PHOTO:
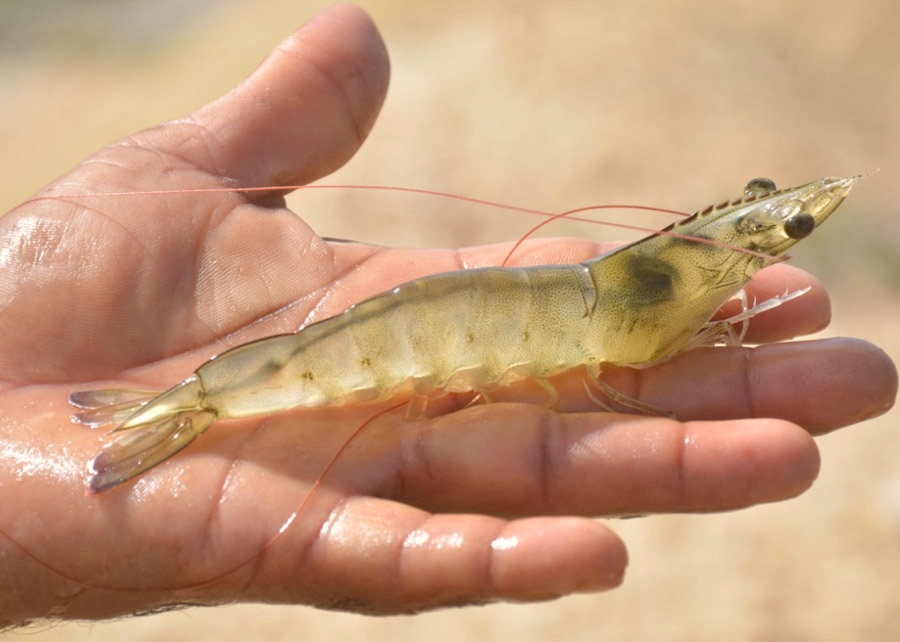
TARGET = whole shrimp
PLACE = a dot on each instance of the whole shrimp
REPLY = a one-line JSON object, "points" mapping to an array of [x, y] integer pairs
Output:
{"points": [[481, 329], [465, 508], [133, 547]]}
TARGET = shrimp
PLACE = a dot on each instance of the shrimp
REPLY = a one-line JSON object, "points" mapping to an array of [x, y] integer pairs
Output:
{"points": [[481, 329]]}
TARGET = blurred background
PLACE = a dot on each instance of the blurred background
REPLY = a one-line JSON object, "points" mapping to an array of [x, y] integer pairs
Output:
{"points": [[554, 106]]}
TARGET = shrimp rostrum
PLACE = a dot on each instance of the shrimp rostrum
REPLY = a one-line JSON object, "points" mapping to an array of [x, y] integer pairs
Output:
{"points": [[480, 329]]}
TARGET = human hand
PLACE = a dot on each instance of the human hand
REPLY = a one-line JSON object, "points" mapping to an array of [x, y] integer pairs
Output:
{"points": [[138, 291]]}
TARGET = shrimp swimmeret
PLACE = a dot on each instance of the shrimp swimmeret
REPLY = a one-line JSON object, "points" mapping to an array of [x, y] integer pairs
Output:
{"points": [[476, 330]]}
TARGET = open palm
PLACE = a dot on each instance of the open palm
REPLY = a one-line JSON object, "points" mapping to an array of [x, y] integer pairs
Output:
{"points": [[137, 291]]}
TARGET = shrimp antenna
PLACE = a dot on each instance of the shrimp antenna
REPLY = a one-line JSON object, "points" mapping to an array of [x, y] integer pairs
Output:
{"points": [[550, 217]]}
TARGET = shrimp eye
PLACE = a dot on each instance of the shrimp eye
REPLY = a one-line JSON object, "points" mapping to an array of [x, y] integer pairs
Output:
{"points": [[759, 187], [799, 226]]}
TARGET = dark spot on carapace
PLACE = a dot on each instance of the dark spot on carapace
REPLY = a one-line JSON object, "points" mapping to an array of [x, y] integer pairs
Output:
{"points": [[470, 338], [654, 278], [526, 336], [365, 362], [272, 366], [308, 376]]}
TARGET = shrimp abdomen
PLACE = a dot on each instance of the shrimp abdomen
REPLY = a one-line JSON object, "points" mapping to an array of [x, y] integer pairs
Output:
{"points": [[458, 331]]}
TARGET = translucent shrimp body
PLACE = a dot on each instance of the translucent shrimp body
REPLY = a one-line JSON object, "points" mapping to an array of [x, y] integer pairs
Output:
{"points": [[476, 330]]}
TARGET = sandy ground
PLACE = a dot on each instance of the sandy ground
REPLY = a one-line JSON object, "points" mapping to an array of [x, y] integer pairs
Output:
{"points": [[556, 105]]}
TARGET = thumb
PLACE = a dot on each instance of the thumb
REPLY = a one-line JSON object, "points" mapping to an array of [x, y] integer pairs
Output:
{"points": [[108, 261], [299, 116]]}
